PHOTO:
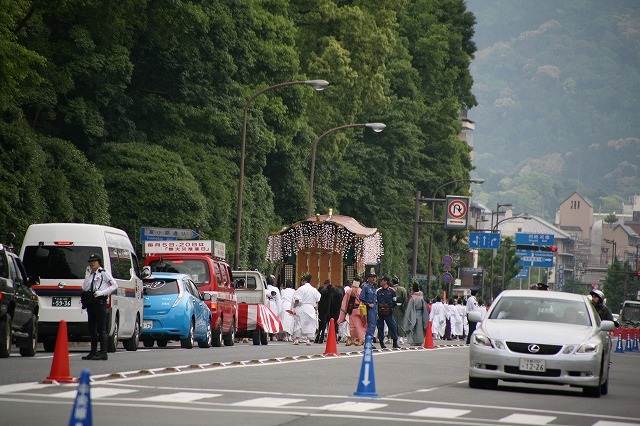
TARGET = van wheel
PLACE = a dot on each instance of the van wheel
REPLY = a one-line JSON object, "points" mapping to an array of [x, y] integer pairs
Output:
{"points": [[257, 336], [5, 336], [206, 343], [187, 343], [216, 336], [30, 350], [49, 344], [229, 338], [264, 337], [132, 343], [112, 341]]}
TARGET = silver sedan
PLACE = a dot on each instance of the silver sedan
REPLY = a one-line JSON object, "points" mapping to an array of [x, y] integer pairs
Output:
{"points": [[541, 337]]}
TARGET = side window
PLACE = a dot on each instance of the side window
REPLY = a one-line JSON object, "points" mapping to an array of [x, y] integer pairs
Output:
{"points": [[136, 265], [120, 263], [219, 280], [21, 273], [14, 273], [4, 271]]}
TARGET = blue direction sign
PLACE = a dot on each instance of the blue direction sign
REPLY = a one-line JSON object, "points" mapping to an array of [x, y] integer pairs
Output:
{"points": [[148, 233], [535, 258], [484, 240], [524, 272], [534, 239]]}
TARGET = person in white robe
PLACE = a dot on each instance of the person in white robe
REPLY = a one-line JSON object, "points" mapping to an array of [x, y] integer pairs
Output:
{"points": [[286, 317], [305, 308], [462, 312], [438, 318], [456, 322]]}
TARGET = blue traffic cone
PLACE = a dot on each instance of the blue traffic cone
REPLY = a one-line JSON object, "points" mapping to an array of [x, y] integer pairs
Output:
{"points": [[619, 345], [634, 345], [81, 413], [367, 380], [629, 345]]}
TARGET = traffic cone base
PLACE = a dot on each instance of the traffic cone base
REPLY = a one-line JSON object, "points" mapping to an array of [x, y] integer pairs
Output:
{"points": [[428, 337], [332, 344], [60, 364]]}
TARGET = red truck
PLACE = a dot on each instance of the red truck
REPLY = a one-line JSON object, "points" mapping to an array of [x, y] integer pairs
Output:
{"points": [[204, 261]]}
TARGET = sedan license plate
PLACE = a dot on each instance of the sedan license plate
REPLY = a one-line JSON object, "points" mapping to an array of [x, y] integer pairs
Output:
{"points": [[147, 324], [537, 365], [61, 301]]}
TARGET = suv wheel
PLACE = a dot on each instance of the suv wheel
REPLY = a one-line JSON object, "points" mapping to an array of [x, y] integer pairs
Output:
{"points": [[5, 336], [30, 350]]}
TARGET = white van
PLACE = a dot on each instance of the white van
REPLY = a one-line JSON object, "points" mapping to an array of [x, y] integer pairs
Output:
{"points": [[58, 253]]}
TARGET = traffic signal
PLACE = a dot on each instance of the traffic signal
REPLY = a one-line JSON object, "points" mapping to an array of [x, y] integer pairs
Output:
{"points": [[529, 247]]}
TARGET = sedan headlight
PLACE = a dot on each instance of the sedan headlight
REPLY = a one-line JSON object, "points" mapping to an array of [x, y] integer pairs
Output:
{"points": [[481, 339], [589, 347]]}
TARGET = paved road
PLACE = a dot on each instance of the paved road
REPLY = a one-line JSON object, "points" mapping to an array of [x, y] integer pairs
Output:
{"points": [[296, 385]]}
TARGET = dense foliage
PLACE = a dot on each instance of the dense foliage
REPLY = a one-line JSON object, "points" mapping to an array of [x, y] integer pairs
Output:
{"points": [[129, 113], [557, 86]]}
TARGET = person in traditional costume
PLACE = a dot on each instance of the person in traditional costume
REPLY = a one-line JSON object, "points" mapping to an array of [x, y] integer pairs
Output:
{"points": [[304, 306], [416, 317], [350, 311], [438, 318]]}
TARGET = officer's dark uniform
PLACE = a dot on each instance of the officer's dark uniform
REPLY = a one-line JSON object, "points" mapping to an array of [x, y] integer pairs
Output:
{"points": [[100, 283], [387, 296]]}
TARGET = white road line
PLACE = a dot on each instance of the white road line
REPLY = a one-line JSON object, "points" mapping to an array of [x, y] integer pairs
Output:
{"points": [[608, 423], [18, 387], [181, 397], [441, 413], [96, 393], [352, 406], [527, 419], [267, 402]]}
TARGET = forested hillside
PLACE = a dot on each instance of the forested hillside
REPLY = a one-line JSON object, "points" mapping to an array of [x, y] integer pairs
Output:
{"points": [[557, 85], [129, 113]]}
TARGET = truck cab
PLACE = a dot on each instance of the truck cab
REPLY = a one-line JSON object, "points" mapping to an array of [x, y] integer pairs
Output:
{"points": [[630, 314], [204, 261]]}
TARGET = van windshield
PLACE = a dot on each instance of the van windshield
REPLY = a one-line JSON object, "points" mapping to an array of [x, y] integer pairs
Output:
{"points": [[195, 268], [58, 262]]}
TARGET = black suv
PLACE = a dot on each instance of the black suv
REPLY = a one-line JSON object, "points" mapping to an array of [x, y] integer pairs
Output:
{"points": [[19, 306]]}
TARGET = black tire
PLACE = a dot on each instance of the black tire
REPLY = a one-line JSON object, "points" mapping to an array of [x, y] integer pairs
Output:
{"points": [[112, 341], [162, 343], [592, 391], [257, 336], [187, 342], [206, 343], [229, 339], [5, 336], [604, 388], [264, 338], [216, 336], [33, 339], [133, 342], [49, 344], [147, 343], [477, 383]]}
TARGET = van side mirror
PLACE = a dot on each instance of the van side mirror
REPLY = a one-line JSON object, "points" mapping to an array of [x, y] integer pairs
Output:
{"points": [[206, 296]]}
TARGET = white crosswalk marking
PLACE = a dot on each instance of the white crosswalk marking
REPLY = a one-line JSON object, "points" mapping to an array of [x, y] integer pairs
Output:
{"points": [[95, 393], [181, 397], [441, 413], [610, 423], [18, 387], [352, 406], [267, 402], [527, 419]]}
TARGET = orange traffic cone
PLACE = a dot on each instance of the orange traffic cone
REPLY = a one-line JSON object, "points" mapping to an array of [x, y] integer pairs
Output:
{"points": [[428, 337], [332, 346], [60, 365]]}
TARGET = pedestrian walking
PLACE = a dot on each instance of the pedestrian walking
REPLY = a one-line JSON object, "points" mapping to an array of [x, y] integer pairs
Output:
{"points": [[350, 311], [97, 286], [285, 316], [304, 306], [438, 318], [368, 299], [472, 306], [386, 298], [402, 299], [416, 317]]}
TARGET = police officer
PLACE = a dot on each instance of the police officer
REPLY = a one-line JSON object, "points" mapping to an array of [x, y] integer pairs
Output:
{"points": [[99, 282], [368, 297], [386, 298], [597, 298]]}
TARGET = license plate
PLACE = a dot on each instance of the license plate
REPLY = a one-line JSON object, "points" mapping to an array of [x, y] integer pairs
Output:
{"points": [[147, 324], [532, 365], [61, 301]]}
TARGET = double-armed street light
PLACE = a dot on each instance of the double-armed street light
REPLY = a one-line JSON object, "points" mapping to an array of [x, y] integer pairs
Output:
{"points": [[318, 86], [416, 223], [376, 127]]}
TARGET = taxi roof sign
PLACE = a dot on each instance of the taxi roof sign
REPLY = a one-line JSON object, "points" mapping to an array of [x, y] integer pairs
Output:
{"points": [[216, 248]]}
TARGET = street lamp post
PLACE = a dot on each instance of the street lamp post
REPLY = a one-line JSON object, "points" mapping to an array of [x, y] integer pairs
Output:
{"points": [[414, 265], [376, 127], [318, 86]]}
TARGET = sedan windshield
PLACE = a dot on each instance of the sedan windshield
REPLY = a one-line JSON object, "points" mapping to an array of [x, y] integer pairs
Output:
{"points": [[546, 310]]}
